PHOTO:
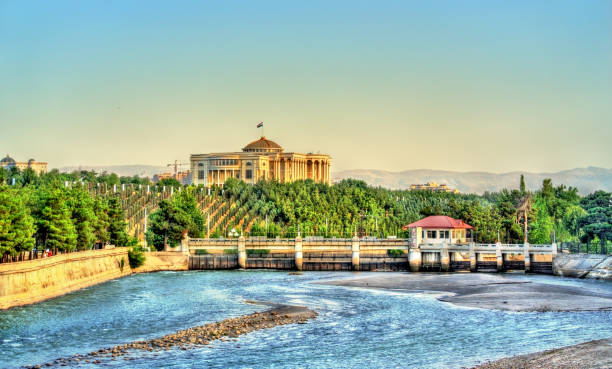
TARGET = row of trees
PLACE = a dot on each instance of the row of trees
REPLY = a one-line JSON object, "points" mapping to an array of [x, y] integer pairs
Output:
{"points": [[27, 177], [512, 216], [38, 212], [59, 219]]}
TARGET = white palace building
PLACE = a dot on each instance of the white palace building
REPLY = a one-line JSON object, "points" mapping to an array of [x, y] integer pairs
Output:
{"points": [[259, 160]]}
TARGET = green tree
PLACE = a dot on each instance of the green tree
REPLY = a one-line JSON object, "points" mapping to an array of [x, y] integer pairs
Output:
{"points": [[170, 182], [16, 224], [167, 225], [102, 224], [522, 185], [55, 229], [28, 177], [116, 223], [187, 202], [597, 223], [81, 205]]}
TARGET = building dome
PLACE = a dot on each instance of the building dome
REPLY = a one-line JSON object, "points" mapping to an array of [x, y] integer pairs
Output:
{"points": [[31, 161], [7, 162], [262, 145]]}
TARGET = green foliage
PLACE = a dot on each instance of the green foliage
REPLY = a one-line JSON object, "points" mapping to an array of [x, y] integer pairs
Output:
{"points": [[136, 257], [186, 201], [394, 253], [596, 224], [174, 218], [81, 205], [167, 225], [39, 211], [16, 224], [201, 252], [257, 251], [102, 223], [216, 234], [170, 182], [3, 176], [116, 223], [55, 229], [542, 226], [230, 251]]}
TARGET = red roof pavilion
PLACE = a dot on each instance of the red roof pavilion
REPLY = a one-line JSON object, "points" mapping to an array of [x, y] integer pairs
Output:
{"points": [[439, 222]]}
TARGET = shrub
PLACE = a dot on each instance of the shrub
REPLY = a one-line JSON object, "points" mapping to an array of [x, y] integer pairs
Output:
{"points": [[257, 251], [201, 252], [395, 253], [230, 251], [136, 257]]}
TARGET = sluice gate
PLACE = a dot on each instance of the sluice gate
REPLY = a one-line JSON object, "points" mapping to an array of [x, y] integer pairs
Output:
{"points": [[316, 254]]}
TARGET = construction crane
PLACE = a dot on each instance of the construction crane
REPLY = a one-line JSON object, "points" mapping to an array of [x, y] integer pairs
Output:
{"points": [[176, 165]]}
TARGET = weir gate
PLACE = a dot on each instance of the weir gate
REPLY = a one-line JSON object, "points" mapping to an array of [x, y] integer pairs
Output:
{"points": [[365, 255]]}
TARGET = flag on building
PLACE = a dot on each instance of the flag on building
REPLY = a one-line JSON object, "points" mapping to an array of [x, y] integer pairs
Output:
{"points": [[260, 124]]}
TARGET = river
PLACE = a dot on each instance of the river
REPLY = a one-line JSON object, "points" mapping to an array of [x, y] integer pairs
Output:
{"points": [[355, 328]]}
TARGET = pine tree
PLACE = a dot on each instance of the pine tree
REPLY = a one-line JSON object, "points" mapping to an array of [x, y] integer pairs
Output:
{"points": [[522, 186], [81, 205], [186, 201], [55, 229], [16, 224], [100, 209], [117, 224]]}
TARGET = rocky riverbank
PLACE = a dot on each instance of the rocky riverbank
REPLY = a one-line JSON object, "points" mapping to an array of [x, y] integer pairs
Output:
{"points": [[592, 354], [488, 291], [196, 336]]}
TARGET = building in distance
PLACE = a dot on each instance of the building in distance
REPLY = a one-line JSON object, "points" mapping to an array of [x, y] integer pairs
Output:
{"points": [[38, 167], [261, 159], [433, 186], [182, 177]]}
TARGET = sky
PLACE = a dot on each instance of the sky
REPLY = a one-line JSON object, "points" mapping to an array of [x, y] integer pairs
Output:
{"points": [[393, 85]]}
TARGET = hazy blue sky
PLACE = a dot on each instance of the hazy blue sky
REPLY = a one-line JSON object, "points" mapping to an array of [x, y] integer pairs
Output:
{"points": [[464, 85]]}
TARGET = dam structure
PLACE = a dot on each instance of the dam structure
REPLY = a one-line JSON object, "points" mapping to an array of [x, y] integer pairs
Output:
{"points": [[365, 254]]}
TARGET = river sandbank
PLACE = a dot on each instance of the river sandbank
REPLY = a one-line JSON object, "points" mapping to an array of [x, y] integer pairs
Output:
{"points": [[487, 291], [197, 336], [592, 354]]}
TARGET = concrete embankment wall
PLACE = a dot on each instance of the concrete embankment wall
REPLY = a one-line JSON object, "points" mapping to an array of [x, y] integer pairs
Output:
{"points": [[583, 266], [164, 261], [37, 280]]}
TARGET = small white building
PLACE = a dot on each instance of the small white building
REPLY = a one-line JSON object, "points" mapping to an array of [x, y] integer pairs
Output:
{"points": [[438, 229]]}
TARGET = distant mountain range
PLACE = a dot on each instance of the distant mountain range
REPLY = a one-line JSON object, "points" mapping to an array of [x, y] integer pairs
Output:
{"points": [[586, 180], [122, 170]]}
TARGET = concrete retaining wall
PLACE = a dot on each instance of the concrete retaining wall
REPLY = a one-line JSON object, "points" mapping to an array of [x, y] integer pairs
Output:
{"points": [[583, 266], [164, 260], [37, 280]]}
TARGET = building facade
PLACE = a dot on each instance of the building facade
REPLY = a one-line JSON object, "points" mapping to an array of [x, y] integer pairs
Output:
{"points": [[182, 177], [262, 159], [37, 166], [433, 186]]}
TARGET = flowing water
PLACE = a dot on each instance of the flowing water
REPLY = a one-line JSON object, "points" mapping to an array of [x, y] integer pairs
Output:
{"points": [[355, 328]]}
